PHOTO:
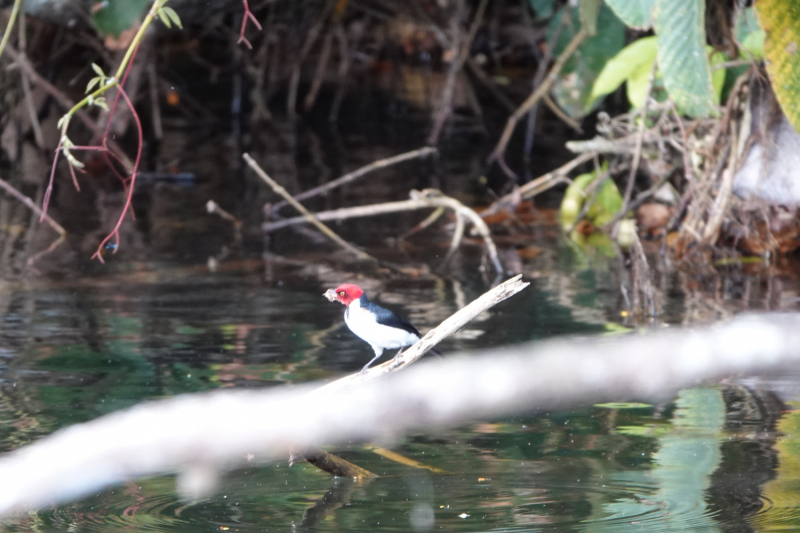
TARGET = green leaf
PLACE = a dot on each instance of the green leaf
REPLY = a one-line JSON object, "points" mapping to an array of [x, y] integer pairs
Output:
{"points": [[117, 16], [164, 18], [92, 83], [632, 62], [101, 102], [781, 22], [753, 45], [607, 202], [639, 81], [573, 88], [98, 70], [635, 13], [606, 205], [717, 75], [682, 58], [173, 16]]}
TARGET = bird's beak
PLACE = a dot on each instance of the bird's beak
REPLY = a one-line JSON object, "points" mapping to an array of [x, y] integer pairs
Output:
{"points": [[330, 294]]}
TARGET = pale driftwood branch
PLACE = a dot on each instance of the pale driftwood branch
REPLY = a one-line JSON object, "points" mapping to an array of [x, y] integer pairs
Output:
{"points": [[200, 434], [429, 198], [352, 176], [308, 216], [457, 320]]}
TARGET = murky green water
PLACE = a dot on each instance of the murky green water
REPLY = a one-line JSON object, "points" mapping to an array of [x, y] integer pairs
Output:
{"points": [[712, 460], [161, 319]]}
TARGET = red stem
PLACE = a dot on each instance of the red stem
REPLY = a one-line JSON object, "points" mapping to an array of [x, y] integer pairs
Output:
{"points": [[115, 232], [247, 15], [49, 190]]}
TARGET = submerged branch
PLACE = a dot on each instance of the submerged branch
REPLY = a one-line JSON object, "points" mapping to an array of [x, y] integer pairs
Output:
{"points": [[224, 429]]}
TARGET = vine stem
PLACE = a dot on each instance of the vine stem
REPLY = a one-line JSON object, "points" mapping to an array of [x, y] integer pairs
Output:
{"points": [[115, 232], [10, 25], [64, 145], [247, 15]]}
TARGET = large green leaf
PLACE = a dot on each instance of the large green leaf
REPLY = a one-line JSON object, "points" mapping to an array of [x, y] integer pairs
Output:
{"points": [[629, 65], [781, 22], [573, 88], [117, 16], [635, 13], [682, 59]]}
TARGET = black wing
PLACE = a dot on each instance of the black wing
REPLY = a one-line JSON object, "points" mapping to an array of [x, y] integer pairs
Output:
{"points": [[387, 318]]}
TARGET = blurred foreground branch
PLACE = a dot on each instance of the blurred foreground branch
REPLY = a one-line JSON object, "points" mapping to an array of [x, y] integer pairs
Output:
{"points": [[198, 435]]}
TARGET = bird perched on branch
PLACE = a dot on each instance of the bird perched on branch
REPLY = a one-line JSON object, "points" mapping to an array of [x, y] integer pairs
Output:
{"points": [[379, 327]]}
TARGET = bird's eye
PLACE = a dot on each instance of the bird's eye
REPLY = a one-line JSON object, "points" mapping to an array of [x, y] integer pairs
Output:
{"points": [[341, 293]]}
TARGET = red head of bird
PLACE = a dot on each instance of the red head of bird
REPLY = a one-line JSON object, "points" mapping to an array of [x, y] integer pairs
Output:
{"points": [[344, 293]]}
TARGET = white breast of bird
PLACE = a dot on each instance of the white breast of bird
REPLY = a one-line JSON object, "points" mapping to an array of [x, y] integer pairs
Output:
{"points": [[363, 323]]}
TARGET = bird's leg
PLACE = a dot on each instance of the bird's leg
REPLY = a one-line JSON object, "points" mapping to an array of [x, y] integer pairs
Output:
{"points": [[377, 355], [399, 352]]}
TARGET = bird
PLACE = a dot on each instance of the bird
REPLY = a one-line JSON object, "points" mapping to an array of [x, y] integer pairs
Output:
{"points": [[379, 327]]}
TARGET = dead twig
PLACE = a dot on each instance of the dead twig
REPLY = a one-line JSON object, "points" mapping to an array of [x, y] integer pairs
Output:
{"points": [[22, 42], [307, 215], [446, 104], [311, 38], [499, 151], [352, 176], [33, 207], [344, 69], [644, 302], [637, 155], [322, 64], [558, 112], [213, 208], [722, 202]]}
